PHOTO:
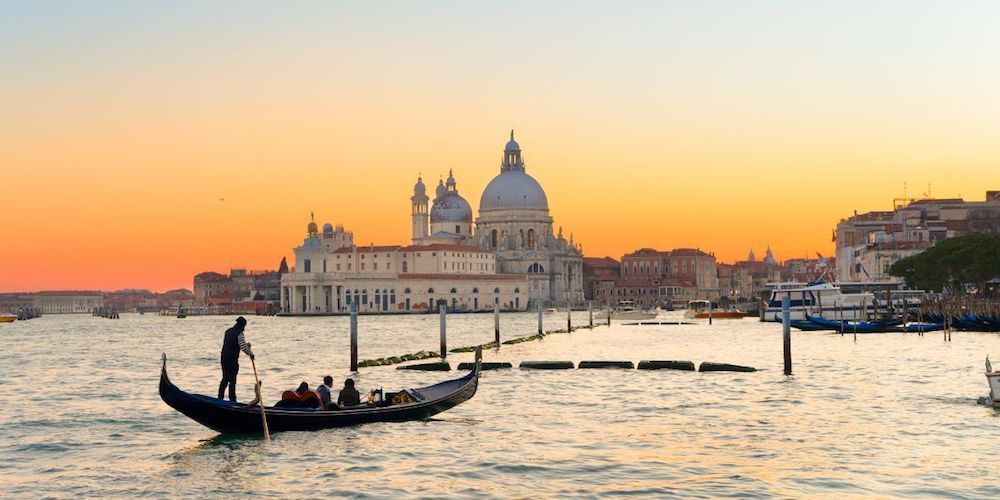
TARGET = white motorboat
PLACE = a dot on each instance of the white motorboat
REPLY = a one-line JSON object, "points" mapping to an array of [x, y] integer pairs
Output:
{"points": [[626, 310]]}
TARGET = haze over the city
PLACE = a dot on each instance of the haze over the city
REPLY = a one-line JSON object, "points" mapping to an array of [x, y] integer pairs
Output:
{"points": [[143, 143]]}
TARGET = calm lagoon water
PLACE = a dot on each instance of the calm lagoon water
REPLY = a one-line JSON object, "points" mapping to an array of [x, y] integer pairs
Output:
{"points": [[883, 415]]}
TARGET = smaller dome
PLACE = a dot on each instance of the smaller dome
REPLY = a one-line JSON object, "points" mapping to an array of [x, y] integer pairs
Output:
{"points": [[451, 208], [441, 190], [451, 181], [312, 228], [328, 228], [419, 187]]}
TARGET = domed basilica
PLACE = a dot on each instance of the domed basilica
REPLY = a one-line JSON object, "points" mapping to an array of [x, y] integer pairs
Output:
{"points": [[513, 221], [508, 258]]}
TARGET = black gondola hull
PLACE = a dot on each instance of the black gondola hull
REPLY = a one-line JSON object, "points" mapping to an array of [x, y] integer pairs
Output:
{"points": [[237, 418]]}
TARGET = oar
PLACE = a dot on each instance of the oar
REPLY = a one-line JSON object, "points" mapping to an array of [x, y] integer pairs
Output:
{"points": [[260, 400]]}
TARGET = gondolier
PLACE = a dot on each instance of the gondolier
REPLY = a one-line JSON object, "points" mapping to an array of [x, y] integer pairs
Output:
{"points": [[232, 344]]}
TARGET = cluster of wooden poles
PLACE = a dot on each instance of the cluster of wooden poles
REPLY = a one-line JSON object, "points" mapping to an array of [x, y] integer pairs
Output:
{"points": [[443, 312]]}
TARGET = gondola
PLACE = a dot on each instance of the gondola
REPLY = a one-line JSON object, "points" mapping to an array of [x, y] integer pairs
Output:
{"points": [[234, 418]]}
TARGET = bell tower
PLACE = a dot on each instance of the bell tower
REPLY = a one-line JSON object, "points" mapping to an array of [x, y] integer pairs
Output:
{"points": [[419, 212]]}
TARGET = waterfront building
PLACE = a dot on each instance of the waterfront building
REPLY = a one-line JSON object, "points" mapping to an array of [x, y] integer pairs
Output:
{"points": [[868, 244], [600, 274], [68, 301], [331, 273], [509, 255], [666, 278]]}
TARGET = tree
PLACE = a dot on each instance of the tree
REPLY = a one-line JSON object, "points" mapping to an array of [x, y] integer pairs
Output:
{"points": [[970, 259]]}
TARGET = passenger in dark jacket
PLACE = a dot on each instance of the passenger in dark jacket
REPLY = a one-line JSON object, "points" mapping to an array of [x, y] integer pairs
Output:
{"points": [[349, 396], [232, 344]]}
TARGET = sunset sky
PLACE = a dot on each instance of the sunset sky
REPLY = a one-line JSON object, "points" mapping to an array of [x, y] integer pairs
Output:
{"points": [[143, 142]]}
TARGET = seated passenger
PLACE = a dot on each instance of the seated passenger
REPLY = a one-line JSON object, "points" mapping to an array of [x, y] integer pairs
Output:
{"points": [[300, 398], [349, 396], [325, 395]]}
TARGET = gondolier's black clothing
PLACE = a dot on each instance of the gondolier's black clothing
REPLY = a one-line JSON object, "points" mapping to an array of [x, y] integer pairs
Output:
{"points": [[232, 344]]}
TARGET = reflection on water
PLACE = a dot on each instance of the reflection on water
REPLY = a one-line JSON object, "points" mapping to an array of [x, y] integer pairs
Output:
{"points": [[884, 415]]}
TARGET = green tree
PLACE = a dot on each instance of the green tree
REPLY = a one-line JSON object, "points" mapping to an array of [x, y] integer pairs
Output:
{"points": [[973, 258]]}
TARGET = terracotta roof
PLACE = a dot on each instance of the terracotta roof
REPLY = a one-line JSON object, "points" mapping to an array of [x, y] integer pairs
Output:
{"points": [[465, 277], [445, 246], [368, 249], [68, 292], [686, 252], [601, 262]]}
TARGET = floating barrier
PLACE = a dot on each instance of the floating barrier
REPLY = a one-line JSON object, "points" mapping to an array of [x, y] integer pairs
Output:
{"points": [[666, 365], [724, 367], [606, 364], [397, 359], [441, 366], [645, 323], [537, 336], [472, 348], [547, 365], [485, 365]]}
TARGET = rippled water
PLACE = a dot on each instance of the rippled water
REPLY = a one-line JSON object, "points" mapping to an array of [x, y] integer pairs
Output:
{"points": [[883, 415]]}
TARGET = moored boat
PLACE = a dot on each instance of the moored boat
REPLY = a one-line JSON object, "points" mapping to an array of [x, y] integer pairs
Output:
{"points": [[228, 417], [7, 318], [993, 378], [626, 310], [699, 309]]}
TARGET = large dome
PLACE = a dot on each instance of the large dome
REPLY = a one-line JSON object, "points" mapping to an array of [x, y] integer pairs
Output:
{"points": [[513, 189], [451, 207]]}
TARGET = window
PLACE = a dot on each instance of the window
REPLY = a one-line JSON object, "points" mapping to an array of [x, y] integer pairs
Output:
{"points": [[404, 266], [338, 267], [362, 266], [308, 266], [375, 266], [392, 296], [324, 265], [493, 238], [453, 290], [536, 268], [364, 296], [430, 290], [517, 290], [496, 290], [407, 291], [475, 290], [458, 230], [531, 238]]}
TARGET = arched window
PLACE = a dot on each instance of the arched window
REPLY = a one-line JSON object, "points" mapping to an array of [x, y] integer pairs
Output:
{"points": [[404, 266], [364, 296], [378, 298], [392, 296], [517, 290], [357, 297], [407, 291], [430, 290], [452, 290], [493, 238], [496, 290], [531, 238], [536, 268], [475, 290]]}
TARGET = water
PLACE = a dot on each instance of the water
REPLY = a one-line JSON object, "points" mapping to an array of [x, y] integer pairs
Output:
{"points": [[886, 415]]}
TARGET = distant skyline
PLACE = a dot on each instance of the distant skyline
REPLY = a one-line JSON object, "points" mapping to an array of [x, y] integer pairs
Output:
{"points": [[143, 142]]}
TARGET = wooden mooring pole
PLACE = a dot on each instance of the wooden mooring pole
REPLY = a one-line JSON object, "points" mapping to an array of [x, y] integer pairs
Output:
{"points": [[496, 322], [540, 331], [443, 311], [590, 313], [786, 331], [710, 312], [354, 337], [569, 317]]}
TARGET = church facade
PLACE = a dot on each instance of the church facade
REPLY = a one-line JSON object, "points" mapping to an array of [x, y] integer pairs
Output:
{"points": [[509, 256]]}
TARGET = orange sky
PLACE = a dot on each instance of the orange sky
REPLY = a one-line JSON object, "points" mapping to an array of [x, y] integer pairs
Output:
{"points": [[124, 126]]}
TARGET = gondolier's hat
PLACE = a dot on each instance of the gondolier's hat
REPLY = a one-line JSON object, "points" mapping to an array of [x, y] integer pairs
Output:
{"points": [[241, 321]]}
